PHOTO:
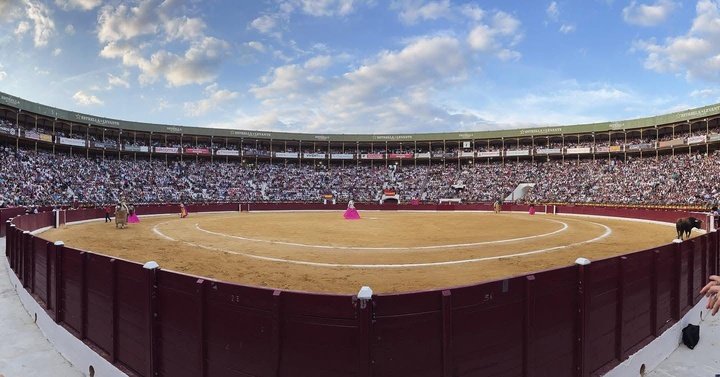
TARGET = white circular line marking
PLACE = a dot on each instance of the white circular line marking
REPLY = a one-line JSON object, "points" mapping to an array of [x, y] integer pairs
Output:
{"points": [[607, 232], [564, 228]]}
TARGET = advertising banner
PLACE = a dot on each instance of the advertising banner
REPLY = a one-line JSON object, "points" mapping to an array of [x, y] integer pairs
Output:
{"points": [[517, 153], [199, 151], [488, 154], [286, 154], [578, 150], [696, 139], [423, 155], [372, 156], [314, 156], [167, 150], [671, 143], [615, 148], [466, 144], [342, 156], [45, 137], [549, 151], [8, 130], [467, 154], [73, 142], [32, 135], [602, 149], [637, 147], [713, 137], [227, 152], [400, 156]]}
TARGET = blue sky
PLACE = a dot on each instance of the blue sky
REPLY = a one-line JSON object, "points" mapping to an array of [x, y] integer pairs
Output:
{"points": [[363, 66]]}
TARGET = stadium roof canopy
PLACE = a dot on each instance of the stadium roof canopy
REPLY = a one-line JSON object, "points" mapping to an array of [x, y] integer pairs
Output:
{"points": [[86, 119]]}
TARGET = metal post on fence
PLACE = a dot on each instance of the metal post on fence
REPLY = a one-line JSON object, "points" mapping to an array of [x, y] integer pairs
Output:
{"points": [[447, 332], [365, 316], [619, 323], [24, 259], [276, 332], [58, 248], [200, 291], [7, 238], [581, 319], [151, 269], [677, 302], [529, 319], [11, 243]]}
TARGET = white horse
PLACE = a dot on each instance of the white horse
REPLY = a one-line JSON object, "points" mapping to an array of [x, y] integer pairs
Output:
{"points": [[121, 215]]}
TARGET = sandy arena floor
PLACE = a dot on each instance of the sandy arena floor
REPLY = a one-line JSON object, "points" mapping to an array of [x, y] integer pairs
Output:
{"points": [[389, 251]]}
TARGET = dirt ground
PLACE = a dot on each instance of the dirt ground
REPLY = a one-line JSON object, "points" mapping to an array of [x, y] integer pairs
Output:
{"points": [[388, 251]]}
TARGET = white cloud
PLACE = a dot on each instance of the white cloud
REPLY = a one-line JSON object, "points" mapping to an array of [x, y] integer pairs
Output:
{"points": [[11, 10], [57, 52], [70, 29], [648, 14], [129, 32], [3, 75], [78, 4], [412, 11], [44, 26], [502, 32], [395, 91], [567, 28], [184, 28], [695, 54], [553, 11], [705, 93], [114, 81], [264, 24], [326, 7], [215, 98], [472, 11], [124, 22], [83, 99], [318, 62], [255, 45], [22, 28]]}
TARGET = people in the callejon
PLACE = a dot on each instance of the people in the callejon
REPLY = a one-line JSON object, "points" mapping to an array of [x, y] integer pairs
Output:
{"points": [[183, 211], [497, 206], [712, 291], [108, 211], [132, 217], [532, 209], [351, 213]]}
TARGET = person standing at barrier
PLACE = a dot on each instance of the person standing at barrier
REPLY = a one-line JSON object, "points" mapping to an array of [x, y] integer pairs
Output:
{"points": [[183, 211], [108, 210], [712, 291]]}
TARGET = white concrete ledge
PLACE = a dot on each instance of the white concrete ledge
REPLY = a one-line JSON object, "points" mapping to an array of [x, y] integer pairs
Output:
{"points": [[654, 356], [40, 357]]}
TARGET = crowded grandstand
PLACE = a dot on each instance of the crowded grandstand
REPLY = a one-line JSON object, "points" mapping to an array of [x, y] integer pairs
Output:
{"points": [[55, 161]]}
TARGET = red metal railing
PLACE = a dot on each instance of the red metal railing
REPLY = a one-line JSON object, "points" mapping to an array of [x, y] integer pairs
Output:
{"points": [[572, 321]]}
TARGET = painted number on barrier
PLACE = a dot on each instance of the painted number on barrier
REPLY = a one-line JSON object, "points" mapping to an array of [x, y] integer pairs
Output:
{"points": [[235, 299], [488, 297]]}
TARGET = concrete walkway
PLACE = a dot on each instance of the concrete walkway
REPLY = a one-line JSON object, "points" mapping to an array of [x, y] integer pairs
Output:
{"points": [[703, 360], [24, 350]]}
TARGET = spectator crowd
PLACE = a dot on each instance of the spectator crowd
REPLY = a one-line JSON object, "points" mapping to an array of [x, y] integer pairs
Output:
{"points": [[32, 178]]}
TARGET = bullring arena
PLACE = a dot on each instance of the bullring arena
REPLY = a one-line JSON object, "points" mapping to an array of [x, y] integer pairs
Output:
{"points": [[265, 277], [321, 252]]}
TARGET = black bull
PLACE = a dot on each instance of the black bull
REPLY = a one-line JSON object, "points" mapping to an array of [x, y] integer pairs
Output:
{"points": [[685, 225]]}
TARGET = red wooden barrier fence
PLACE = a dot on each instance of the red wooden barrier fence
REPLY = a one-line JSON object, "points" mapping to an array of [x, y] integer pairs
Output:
{"points": [[573, 321]]}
